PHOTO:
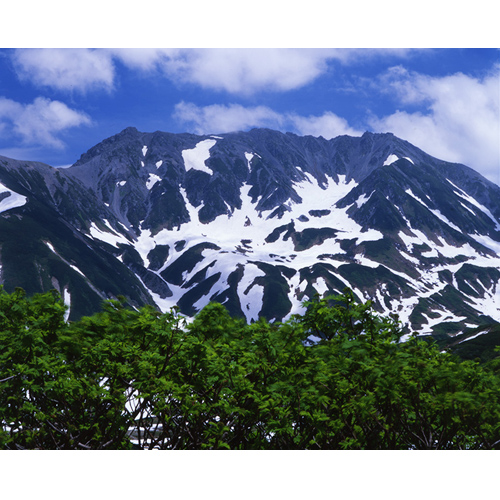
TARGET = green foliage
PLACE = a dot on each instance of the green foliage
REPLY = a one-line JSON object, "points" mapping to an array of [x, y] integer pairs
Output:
{"points": [[336, 378]]}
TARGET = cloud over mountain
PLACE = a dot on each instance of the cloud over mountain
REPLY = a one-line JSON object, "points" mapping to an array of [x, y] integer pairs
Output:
{"points": [[461, 120], [234, 117]]}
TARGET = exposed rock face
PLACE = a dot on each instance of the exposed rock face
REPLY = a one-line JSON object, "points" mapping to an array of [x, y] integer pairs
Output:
{"points": [[259, 221]]}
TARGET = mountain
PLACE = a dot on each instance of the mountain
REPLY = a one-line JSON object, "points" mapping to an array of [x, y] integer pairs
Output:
{"points": [[259, 221]]}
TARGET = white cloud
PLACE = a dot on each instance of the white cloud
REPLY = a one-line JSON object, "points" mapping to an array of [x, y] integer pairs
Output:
{"points": [[39, 122], [234, 117], [328, 125], [218, 118], [66, 69], [245, 71], [141, 59], [460, 122], [237, 71]]}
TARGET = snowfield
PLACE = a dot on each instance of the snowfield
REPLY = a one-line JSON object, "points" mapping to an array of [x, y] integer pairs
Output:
{"points": [[10, 199], [306, 243], [241, 238], [195, 158]]}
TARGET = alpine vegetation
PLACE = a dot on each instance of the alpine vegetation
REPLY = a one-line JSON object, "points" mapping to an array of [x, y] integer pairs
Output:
{"points": [[336, 377]]}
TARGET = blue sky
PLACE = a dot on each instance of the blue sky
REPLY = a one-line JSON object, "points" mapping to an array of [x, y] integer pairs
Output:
{"points": [[57, 103]]}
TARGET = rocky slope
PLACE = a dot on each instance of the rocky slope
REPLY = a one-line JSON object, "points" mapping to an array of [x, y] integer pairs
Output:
{"points": [[259, 221]]}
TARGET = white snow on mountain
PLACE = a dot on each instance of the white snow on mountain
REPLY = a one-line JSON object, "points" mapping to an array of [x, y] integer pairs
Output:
{"points": [[11, 200], [306, 242], [489, 304], [474, 336], [390, 160], [67, 303], [393, 158], [437, 213], [110, 236], [195, 158], [229, 231], [249, 157], [363, 199], [487, 242], [241, 236], [250, 293], [53, 250], [152, 180], [475, 203], [438, 316]]}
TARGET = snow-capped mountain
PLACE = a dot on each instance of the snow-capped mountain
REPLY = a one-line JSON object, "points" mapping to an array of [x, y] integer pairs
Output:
{"points": [[259, 221]]}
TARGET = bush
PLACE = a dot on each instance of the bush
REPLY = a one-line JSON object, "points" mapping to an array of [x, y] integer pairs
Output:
{"points": [[335, 378]]}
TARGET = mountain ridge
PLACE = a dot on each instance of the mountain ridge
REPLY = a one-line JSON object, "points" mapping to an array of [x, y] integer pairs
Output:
{"points": [[262, 220]]}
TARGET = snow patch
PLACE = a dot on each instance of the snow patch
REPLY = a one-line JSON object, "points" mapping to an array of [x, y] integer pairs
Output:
{"points": [[435, 212], [108, 237], [487, 242], [152, 180], [67, 303], [144, 151], [159, 163], [249, 157], [195, 158], [489, 304], [441, 217], [474, 336], [469, 209], [441, 317], [144, 244], [390, 160], [363, 199], [205, 299], [321, 286], [474, 202], [13, 200], [252, 304], [64, 260], [413, 260], [51, 246], [77, 270]]}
